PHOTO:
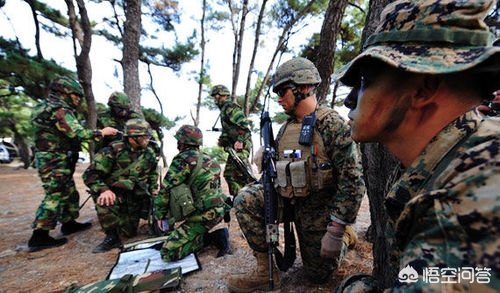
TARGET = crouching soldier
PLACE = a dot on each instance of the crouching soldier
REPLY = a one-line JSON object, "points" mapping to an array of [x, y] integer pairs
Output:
{"points": [[122, 178], [191, 193]]}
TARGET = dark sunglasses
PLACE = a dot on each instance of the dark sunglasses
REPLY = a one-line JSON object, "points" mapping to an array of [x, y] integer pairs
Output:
{"points": [[282, 91]]}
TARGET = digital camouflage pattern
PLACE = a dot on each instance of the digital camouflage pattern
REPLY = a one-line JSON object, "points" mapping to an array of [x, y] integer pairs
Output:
{"points": [[137, 179], [235, 127], [428, 36], [453, 223], [298, 71], [313, 213], [208, 197], [58, 136]]}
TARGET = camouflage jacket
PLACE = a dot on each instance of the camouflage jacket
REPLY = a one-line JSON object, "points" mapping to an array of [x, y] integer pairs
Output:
{"points": [[106, 119], [235, 126], [444, 217], [345, 198], [452, 220], [206, 187], [57, 129], [117, 159]]}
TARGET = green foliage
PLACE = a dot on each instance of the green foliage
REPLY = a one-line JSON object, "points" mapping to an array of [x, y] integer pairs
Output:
{"points": [[217, 153], [171, 58], [156, 120], [15, 113]]}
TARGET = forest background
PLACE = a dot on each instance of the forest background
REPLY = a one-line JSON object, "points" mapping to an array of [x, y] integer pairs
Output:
{"points": [[166, 55]]}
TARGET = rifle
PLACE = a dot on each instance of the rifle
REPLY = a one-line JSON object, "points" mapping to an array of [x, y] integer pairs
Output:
{"points": [[268, 177]]}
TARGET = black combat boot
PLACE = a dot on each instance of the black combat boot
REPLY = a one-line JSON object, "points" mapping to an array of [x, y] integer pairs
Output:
{"points": [[73, 227], [111, 241], [220, 239], [41, 240]]}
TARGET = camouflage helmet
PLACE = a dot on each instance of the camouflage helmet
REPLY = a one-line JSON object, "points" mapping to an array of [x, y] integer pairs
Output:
{"points": [[119, 99], [137, 127], [66, 85], [189, 135], [298, 71], [220, 90]]}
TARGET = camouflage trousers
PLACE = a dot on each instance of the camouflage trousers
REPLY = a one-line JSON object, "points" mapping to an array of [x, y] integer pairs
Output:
{"points": [[61, 201], [311, 215], [125, 214], [235, 177], [188, 237]]}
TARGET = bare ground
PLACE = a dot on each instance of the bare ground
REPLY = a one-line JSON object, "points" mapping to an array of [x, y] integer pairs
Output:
{"points": [[54, 269]]}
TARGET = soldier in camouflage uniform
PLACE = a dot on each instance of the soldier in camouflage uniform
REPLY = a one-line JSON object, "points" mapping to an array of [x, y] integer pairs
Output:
{"points": [[122, 179], [115, 116], [330, 166], [417, 85], [58, 137], [235, 134], [201, 175]]}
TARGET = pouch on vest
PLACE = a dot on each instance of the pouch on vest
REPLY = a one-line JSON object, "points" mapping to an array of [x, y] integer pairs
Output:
{"points": [[181, 202], [283, 180]]}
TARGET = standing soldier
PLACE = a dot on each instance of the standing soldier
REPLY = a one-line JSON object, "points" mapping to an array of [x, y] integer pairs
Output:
{"points": [[115, 116], [191, 193], [235, 134], [320, 183], [58, 137], [122, 179]]}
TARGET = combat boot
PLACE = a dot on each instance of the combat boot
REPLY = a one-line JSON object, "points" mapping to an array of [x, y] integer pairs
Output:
{"points": [[41, 240], [111, 241], [220, 239], [256, 279], [73, 227]]}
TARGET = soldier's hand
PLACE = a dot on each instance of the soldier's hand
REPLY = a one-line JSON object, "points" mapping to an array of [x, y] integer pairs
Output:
{"points": [[107, 198], [332, 241], [109, 131], [238, 146]]}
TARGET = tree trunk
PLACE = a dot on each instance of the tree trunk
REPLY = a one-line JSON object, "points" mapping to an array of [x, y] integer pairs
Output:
{"points": [[130, 59], [326, 51]]}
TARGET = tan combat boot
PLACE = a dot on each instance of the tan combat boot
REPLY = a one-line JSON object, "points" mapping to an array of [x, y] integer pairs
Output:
{"points": [[256, 279]]}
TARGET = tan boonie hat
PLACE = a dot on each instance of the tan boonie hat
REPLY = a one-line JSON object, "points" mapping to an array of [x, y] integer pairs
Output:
{"points": [[429, 36]]}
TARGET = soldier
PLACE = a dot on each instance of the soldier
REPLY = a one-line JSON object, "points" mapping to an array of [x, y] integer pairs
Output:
{"points": [[235, 134], [115, 116], [58, 137], [191, 193], [325, 170], [417, 86], [122, 179]]}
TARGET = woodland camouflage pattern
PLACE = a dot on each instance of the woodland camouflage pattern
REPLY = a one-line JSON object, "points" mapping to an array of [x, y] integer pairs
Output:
{"points": [[208, 200], [117, 101], [133, 187], [58, 136], [341, 203], [235, 128]]}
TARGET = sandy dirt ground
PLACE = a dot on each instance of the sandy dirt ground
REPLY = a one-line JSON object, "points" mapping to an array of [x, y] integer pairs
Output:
{"points": [[54, 269]]}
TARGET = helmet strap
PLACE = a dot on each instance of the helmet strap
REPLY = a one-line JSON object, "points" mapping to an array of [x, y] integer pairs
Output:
{"points": [[298, 95]]}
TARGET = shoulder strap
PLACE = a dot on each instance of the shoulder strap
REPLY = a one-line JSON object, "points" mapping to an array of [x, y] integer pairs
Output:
{"points": [[115, 175], [197, 169]]}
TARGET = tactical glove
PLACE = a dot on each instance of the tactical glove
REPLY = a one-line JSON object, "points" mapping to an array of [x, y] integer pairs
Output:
{"points": [[332, 241]]}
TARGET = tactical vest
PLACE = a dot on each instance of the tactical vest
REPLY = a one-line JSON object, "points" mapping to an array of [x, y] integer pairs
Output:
{"points": [[302, 169]]}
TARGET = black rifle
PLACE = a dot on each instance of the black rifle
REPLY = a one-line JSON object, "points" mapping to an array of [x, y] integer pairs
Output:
{"points": [[268, 177]]}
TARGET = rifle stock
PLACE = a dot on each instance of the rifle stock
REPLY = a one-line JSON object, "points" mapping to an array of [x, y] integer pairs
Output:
{"points": [[268, 177]]}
